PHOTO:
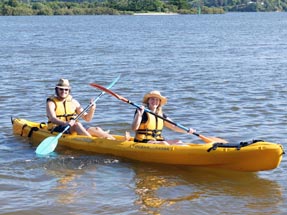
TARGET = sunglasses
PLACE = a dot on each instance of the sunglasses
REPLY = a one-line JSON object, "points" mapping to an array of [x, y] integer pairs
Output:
{"points": [[61, 89]]}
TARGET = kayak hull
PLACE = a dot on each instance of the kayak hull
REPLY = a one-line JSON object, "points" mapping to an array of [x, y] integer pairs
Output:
{"points": [[259, 156]]}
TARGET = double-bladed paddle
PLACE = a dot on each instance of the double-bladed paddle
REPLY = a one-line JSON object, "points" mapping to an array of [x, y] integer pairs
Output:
{"points": [[205, 139], [49, 144]]}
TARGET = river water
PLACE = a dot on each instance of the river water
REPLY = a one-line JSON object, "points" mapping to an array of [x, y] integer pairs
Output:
{"points": [[224, 75]]}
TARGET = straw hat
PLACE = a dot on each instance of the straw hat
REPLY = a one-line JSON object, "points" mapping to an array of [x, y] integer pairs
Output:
{"points": [[63, 84], [155, 94]]}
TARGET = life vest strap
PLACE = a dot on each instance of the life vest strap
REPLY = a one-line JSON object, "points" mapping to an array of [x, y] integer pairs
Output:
{"points": [[66, 115], [154, 133]]}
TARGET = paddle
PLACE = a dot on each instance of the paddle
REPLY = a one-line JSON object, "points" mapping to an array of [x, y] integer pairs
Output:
{"points": [[49, 144], [205, 139]]}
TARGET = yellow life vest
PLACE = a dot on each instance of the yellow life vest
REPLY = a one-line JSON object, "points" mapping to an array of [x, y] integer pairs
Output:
{"points": [[64, 110], [150, 130]]}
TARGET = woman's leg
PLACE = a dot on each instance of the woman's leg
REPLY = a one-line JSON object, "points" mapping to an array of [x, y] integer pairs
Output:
{"points": [[166, 142], [158, 142], [98, 132], [80, 129]]}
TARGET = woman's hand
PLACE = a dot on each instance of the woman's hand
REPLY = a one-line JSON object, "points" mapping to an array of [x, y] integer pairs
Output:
{"points": [[191, 131], [140, 110], [71, 122], [93, 104]]}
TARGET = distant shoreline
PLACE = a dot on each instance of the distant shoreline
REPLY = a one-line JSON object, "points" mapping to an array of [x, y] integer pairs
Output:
{"points": [[154, 14]]}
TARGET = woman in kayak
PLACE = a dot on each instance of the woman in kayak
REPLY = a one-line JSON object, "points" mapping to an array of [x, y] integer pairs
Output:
{"points": [[148, 127], [62, 109]]}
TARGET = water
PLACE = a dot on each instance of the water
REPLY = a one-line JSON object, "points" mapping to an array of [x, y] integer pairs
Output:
{"points": [[224, 75]]}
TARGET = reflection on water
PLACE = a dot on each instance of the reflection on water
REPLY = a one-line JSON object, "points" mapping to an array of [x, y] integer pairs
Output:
{"points": [[66, 182], [68, 172], [159, 187]]}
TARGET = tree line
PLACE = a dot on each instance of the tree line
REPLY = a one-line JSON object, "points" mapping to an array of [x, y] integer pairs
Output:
{"points": [[129, 7]]}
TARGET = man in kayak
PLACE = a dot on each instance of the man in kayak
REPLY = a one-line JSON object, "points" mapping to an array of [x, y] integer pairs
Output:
{"points": [[62, 108], [148, 127]]}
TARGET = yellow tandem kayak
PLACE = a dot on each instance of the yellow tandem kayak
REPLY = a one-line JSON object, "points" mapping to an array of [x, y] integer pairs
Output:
{"points": [[251, 156]]}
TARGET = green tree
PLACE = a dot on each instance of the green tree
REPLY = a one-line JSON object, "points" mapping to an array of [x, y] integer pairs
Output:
{"points": [[13, 3], [181, 4]]}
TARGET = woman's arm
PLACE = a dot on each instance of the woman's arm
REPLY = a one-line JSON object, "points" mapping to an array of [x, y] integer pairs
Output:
{"points": [[87, 116], [177, 129], [138, 118]]}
